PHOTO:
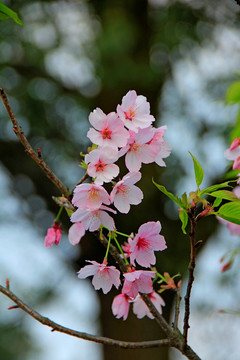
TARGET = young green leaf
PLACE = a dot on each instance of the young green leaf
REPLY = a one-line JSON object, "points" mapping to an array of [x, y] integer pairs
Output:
{"points": [[184, 219], [6, 13], [230, 212], [170, 195], [217, 202], [199, 173], [225, 194], [212, 188]]}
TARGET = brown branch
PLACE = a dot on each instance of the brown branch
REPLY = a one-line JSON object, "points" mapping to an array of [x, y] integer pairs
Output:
{"points": [[81, 335], [29, 150], [191, 267]]}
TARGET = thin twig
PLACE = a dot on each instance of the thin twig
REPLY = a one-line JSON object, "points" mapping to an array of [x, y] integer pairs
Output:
{"points": [[191, 267], [28, 148], [177, 309], [82, 335]]}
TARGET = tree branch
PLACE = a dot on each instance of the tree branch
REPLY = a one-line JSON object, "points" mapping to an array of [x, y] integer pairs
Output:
{"points": [[29, 150], [81, 335]]}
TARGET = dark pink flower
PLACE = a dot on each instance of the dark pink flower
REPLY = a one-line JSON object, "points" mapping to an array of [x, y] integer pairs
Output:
{"points": [[53, 235], [104, 277], [140, 308], [120, 306], [138, 281], [145, 243]]}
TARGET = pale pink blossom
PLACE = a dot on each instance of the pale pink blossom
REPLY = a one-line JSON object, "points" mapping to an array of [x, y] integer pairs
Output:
{"points": [[109, 131], [137, 281], [92, 220], [100, 164], [137, 151], [126, 246], [104, 277], [234, 151], [75, 233], [160, 147], [145, 243], [90, 196], [120, 306], [140, 309], [125, 192], [135, 111], [53, 235]]}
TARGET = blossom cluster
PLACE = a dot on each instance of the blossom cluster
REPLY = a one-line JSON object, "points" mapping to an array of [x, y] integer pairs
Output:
{"points": [[127, 132]]}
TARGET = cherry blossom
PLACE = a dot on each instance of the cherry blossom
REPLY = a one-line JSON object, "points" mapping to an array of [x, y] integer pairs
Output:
{"points": [[140, 309], [135, 111], [137, 151], [233, 153], [145, 243], [104, 277], [111, 131], [75, 233], [101, 165], [125, 192], [53, 235], [126, 246], [90, 196], [120, 306], [137, 281], [92, 220], [159, 146]]}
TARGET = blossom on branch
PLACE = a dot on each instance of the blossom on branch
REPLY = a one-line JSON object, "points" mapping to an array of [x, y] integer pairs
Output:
{"points": [[101, 165], [90, 196], [125, 192], [145, 243], [104, 277], [135, 111], [92, 220], [120, 306], [140, 309], [109, 131], [137, 281], [53, 235]]}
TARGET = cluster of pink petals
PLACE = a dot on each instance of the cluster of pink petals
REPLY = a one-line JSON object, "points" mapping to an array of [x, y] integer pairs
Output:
{"points": [[135, 111], [92, 220], [104, 277], [125, 192], [53, 235], [120, 306], [109, 131], [145, 243], [101, 164], [90, 196], [140, 309], [137, 281]]}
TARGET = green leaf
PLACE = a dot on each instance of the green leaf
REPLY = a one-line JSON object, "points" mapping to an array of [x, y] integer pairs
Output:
{"points": [[6, 13], [170, 195], [185, 200], [217, 202], [212, 188], [184, 219], [233, 93], [230, 212], [225, 194], [199, 173]]}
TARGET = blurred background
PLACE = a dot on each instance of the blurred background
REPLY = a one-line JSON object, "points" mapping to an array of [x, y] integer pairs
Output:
{"points": [[69, 58]]}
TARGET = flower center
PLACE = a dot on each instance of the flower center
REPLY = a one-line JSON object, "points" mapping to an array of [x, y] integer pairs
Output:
{"points": [[129, 114], [100, 166], [142, 243], [93, 196], [106, 133]]}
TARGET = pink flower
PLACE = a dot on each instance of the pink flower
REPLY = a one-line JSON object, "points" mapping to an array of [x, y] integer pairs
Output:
{"points": [[125, 193], [126, 246], [135, 111], [159, 146], [92, 220], [137, 281], [104, 277], [90, 196], [111, 131], [120, 306], [145, 243], [137, 151], [234, 151], [53, 235], [75, 233], [140, 308], [101, 165]]}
